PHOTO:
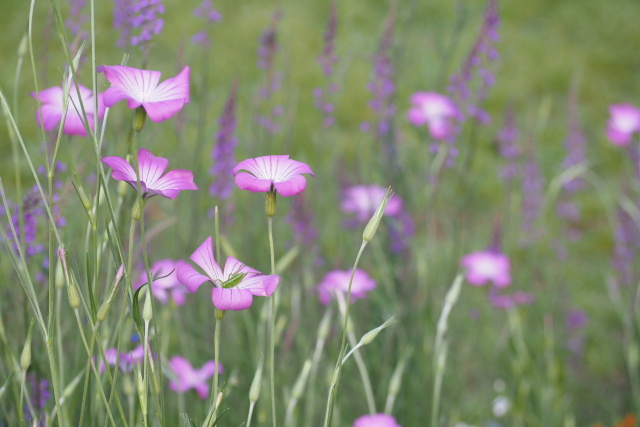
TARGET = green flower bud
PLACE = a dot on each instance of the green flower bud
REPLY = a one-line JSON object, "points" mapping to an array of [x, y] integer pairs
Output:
{"points": [[25, 358], [74, 297], [147, 311], [138, 207], [374, 222], [59, 276], [220, 314], [138, 119]]}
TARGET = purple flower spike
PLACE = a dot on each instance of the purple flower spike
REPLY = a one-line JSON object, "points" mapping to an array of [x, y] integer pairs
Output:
{"points": [[278, 171], [434, 110], [338, 281], [624, 121], [376, 420], [140, 88], [234, 287], [52, 109], [188, 378], [151, 169], [164, 287], [488, 266], [363, 200]]}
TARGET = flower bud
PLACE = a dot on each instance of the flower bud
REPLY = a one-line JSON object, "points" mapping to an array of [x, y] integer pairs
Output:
{"points": [[138, 119], [254, 391], [270, 204], [59, 276], [104, 311], [136, 211], [372, 334], [374, 222], [72, 291], [122, 188], [141, 394], [23, 47], [298, 388], [147, 311], [25, 358]]}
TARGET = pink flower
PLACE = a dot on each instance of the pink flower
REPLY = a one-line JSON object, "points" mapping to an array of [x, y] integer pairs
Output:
{"points": [[151, 169], [338, 281], [483, 267], [624, 121], [376, 420], [127, 360], [188, 378], [233, 288], [363, 200], [509, 301], [52, 109], [272, 171], [435, 110], [163, 287], [141, 88]]}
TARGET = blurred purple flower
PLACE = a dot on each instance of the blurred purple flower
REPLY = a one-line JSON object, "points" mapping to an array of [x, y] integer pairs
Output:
{"points": [[302, 221], [626, 249], [623, 123], [508, 140], [140, 88], [39, 394], [363, 200], [52, 108], [150, 169], [401, 230], [508, 301], [487, 266], [233, 288], [223, 157], [76, 18], [127, 359], [576, 319], [188, 378], [206, 12], [532, 198], [338, 281], [138, 21], [376, 420], [265, 173], [327, 60], [268, 118], [164, 287], [434, 110]]}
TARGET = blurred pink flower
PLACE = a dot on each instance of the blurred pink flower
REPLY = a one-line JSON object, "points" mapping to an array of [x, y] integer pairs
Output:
{"points": [[127, 359], [151, 169], [488, 266], [140, 88], [624, 121], [376, 420], [272, 171], [233, 288], [52, 109], [188, 378], [434, 110], [512, 300], [164, 287], [363, 200], [338, 281]]}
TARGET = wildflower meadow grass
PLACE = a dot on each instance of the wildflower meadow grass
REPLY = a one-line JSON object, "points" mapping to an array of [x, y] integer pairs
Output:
{"points": [[367, 214]]}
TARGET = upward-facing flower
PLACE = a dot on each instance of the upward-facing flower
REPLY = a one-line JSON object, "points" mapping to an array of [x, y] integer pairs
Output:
{"points": [[487, 266], [188, 378], [363, 200], [434, 110], [150, 169], [376, 420], [269, 172], [337, 281], [624, 121], [233, 288], [52, 109], [140, 88]]}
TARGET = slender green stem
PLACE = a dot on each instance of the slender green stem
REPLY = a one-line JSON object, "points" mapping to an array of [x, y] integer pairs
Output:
{"points": [[249, 416], [216, 351], [333, 390], [272, 316]]}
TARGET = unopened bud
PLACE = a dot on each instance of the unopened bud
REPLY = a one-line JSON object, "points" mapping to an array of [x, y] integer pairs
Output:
{"points": [[147, 311], [374, 222], [86, 202], [270, 204], [25, 358], [59, 276], [254, 391], [136, 212], [138, 119], [23, 46], [74, 298], [372, 334], [122, 188], [141, 394], [104, 311], [155, 383]]}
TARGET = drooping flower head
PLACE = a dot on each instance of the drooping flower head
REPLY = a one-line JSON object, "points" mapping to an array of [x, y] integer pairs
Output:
{"points": [[166, 285], [434, 110], [267, 173], [188, 378], [487, 266], [140, 88], [338, 281], [150, 169], [363, 200], [376, 420], [624, 121], [233, 288], [52, 107]]}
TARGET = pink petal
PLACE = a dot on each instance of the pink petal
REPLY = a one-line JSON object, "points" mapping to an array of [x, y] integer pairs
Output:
{"points": [[202, 390], [245, 181], [74, 125], [231, 299], [190, 278], [48, 116], [162, 110], [262, 286], [292, 186], [175, 88], [232, 266], [122, 170], [173, 182], [151, 167], [208, 369], [53, 95], [182, 368], [416, 117], [129, 83], [203, 257]]}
